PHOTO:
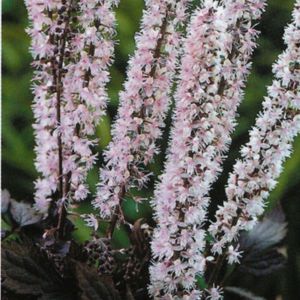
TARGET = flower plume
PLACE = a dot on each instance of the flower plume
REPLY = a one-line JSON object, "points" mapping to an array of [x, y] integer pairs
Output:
{"points": [[143, 103], [270, 143], [72, 44], [214, 68]]}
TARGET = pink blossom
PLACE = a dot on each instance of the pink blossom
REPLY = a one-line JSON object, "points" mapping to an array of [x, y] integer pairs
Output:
{"points": [[91, 221], [270, 143], [215, 293], [214, 67], [143, 104], [70, 93], [233, 255]]}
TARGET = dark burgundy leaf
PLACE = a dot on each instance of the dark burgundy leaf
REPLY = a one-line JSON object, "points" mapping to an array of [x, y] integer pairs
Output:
{"points": [[261, 254], [27, 271], [23, 213], [93, 286]]}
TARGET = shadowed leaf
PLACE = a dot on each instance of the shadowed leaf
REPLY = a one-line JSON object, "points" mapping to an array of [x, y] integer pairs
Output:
{"points": [[27, 271], [260, 246], [23, 213], [244, 294], [93, 286]]}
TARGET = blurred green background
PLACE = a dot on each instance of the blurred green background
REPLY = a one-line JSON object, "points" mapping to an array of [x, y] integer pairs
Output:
{"points": [[18, 170]]}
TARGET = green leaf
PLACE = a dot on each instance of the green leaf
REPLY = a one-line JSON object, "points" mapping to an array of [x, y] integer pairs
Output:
{"points": [[82, 232], [103, 132], [201, 282], [14, 57], [290, 176]]}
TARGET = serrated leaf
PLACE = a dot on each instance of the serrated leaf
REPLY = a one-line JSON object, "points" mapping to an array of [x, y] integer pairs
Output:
{"points": [[93, 286], [261, 264], [260, 245], [267, 233], [26, 271], [23, 213]]}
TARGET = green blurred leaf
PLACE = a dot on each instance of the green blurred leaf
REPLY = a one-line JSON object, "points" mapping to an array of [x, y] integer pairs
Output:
{"points": [[15, 52], [82, 232], [201, 282], [289, 178], [103, 132]]}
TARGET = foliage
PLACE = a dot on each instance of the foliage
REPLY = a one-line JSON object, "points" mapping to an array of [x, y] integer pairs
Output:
{"points": [[29, 272]]}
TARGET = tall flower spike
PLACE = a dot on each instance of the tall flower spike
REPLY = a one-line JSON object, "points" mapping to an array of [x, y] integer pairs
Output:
{"points": [[85, 94], [143, 103], [49, 31], [270, 143], [214, 68], [72, 47]]}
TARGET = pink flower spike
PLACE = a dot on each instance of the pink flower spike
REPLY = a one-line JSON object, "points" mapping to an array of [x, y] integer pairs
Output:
{"points": [[72, 56], [144, 104], [214, 68], [270, 143]]}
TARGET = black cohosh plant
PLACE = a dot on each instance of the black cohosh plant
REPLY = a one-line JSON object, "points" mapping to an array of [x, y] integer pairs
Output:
{"points": [[200, 59]]}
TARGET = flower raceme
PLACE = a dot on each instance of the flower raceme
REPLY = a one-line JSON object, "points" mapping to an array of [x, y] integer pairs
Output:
{"points": [[85, 87], [270, 143], [143, 103], [72, 44], [214, 67]]}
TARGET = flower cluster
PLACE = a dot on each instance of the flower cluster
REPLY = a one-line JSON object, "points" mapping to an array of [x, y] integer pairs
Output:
{"points": [[72, 46], [214, 68], [270, 143], [85, 95], [143, 103]]}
